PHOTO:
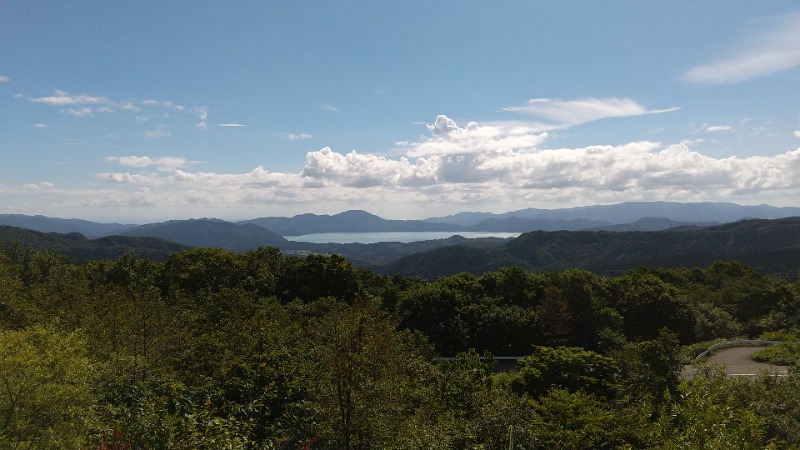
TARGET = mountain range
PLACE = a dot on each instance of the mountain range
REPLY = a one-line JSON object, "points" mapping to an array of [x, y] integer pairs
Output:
{"points": [[771, 246], [641, 216]]}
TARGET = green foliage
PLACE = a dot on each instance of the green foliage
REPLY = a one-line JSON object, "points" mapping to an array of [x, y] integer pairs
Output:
{"points": [[46, 389], [706, 415], [576, 420], [650, 370], [215, 349], [568, 368], [362, 372], [781, 354]]}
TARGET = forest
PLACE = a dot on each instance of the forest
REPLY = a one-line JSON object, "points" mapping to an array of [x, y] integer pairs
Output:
{"points": [[213, 349]]}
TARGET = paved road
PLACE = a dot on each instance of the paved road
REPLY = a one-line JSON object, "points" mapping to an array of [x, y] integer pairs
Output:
{"points": [[736, 362]]}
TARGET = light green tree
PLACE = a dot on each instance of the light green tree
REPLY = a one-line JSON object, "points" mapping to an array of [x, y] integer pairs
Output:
{"points": [[46, 395]]}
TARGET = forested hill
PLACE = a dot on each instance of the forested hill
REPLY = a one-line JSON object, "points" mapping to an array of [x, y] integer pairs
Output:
{"points": [[210, 233], [769, 246], [80, 248]]}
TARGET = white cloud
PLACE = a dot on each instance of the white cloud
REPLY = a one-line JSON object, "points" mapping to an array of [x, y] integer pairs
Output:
{"points": [[162, 163], [493, 180], [159, 132], [770, 52], [129, 106], [797, 133], [450, 138], [158, 103], [39, 125], [230, 125], [62, 98], [496, 167], [717, 128], [4, 79], [329, 108], [293, 136], [565, 113]]}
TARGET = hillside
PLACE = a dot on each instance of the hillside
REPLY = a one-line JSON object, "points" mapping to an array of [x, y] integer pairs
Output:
{"points": [[769, 246], [80, 248], [211, 233], [55, 225]]}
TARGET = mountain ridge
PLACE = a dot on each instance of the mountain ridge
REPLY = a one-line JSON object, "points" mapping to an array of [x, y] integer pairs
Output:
{"points": [[524, 220]]}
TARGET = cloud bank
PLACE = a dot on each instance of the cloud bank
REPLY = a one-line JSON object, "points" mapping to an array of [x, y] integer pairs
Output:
{"points": [[495, 167]]}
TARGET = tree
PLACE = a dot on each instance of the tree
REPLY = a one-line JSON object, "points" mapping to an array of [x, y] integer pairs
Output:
{"points": [[363, 370], [569, 368], [46, 395]]}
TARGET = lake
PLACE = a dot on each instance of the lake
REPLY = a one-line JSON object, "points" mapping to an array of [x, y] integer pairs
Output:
{"points": [[393, 236]]}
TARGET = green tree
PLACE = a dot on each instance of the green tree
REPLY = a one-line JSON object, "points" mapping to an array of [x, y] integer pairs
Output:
{"points": [[569, 368], [46, 395], [363, 371]]}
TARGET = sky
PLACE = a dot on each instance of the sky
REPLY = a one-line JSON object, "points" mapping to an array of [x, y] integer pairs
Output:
{"points": [[145, 111]]}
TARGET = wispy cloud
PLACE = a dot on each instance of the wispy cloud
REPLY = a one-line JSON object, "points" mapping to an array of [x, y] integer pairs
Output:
{"points": [[78, 112], [159, 132], [230, 125], [4, 79], [299, 136], [718, 128], [39, 125], [565, 113], [84, 105], [61, 98], [329, 108], [762, 55]]}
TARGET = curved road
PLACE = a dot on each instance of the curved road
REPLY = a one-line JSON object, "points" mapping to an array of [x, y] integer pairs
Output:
{"points": [[736, 362]]}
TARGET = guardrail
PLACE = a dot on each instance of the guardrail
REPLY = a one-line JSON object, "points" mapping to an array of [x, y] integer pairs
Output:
{"points": [[739, 343]]}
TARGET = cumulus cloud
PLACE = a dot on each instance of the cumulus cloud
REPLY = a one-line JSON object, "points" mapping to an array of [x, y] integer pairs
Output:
{"points": [[450, 138], [565, 113], [492, 179], [495, 166], [764, 54]]}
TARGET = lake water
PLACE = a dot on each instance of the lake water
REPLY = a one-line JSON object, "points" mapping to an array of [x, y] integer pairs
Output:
{"points": [[393, 236]]}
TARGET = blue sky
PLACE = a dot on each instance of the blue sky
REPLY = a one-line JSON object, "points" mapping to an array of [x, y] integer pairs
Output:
{"points": [[143, 111]]}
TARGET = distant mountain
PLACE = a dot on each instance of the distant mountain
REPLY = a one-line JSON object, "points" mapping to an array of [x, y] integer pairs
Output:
{"points": [[769, 246], [348, 221], [53, 225], [522, 225], [81, 248], [633, 211], [211, 233]]}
